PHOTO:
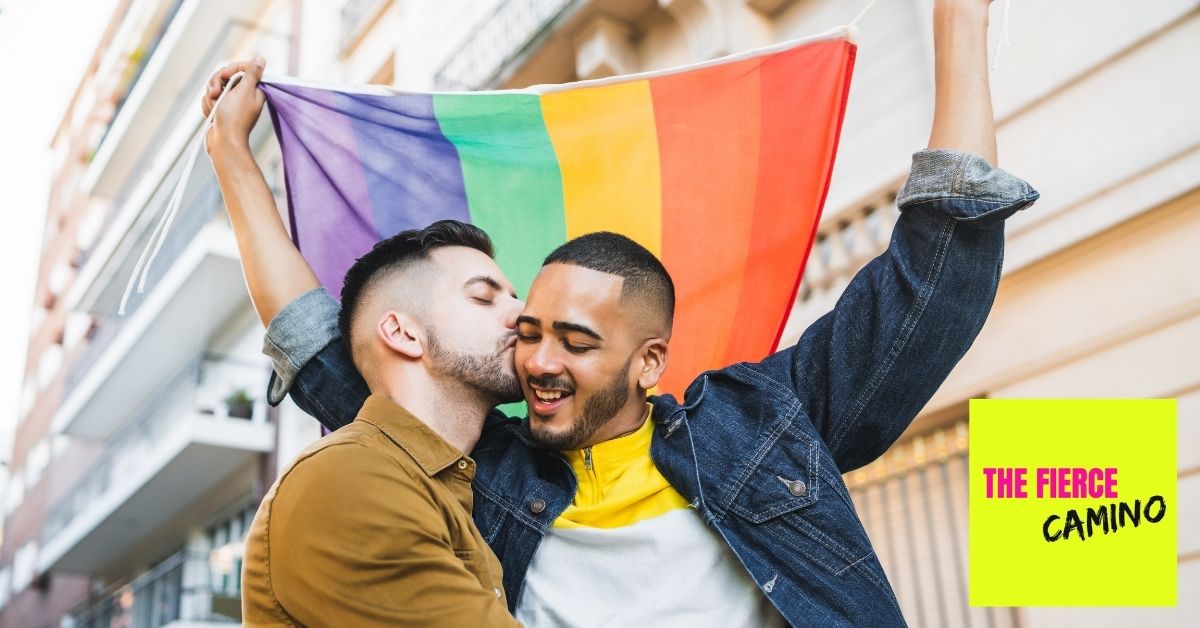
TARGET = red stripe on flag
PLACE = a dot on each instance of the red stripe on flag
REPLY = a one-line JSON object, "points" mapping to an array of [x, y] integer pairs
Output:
{"points": [[803, 101]]}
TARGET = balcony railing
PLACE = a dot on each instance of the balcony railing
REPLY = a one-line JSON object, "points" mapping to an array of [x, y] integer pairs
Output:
{"points": [[514, 27], [141, 58], [846, 242], [199, 207], [355, 14], [183, 111], [203, 387], [182, 588]]}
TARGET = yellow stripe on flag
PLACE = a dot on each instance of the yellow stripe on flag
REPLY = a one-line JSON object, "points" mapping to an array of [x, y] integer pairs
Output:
{"points": [[607, 147]]}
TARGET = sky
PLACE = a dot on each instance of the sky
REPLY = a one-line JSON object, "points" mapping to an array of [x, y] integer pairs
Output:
{"points": [[45, 46]]}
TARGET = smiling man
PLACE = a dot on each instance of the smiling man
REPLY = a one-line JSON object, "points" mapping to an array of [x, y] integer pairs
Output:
{"points": [[601, 281], [394, 486], [608, 506]]}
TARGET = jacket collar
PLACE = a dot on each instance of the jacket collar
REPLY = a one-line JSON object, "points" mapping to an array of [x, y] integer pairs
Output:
{"points": [[426, 447]]}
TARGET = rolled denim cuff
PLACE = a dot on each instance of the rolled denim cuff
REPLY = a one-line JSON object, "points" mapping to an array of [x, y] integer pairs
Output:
{"points": [[295, 335], [965, 186]]}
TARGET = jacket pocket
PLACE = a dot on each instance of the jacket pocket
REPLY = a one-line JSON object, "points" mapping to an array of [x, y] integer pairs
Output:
{"points": [[791, 511], [782, 481]]}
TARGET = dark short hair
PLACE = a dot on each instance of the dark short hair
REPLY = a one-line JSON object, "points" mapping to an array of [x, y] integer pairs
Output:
{"points": [[645, 276], [398, 252]]}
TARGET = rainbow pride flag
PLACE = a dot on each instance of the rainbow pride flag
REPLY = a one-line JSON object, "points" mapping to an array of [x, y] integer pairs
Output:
{"points": [[719, 168]]}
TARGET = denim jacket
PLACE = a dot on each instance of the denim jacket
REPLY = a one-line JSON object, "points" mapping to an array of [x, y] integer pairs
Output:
{"points": [[759, 448]]}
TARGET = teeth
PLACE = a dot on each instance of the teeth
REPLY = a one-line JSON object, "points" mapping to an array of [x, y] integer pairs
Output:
{"points": [[547, 395]]}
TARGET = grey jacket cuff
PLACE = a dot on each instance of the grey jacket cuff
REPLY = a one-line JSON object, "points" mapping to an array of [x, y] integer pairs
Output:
{"points": [[297, 333], [964, 186]]}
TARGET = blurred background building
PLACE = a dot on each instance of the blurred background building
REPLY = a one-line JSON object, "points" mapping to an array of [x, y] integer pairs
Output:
{"points": [[143, 444]]}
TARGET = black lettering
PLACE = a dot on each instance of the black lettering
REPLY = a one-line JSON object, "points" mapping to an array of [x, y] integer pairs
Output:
{"points": [[1162, 509], [1098, 517], [1046, 530], [1073, 523], [1134, 513]]}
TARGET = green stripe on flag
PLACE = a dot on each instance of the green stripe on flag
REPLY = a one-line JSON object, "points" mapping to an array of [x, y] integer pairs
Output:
{"points": [[511, 174]]}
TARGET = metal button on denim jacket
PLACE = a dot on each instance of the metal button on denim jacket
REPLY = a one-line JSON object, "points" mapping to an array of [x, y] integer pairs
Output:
{"points": [[760, 448]]}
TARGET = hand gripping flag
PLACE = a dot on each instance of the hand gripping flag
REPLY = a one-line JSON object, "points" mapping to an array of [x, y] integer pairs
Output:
{"points": [[719, 168]]}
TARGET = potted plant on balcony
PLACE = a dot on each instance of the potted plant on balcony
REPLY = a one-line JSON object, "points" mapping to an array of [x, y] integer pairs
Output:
{"points": [[239, 404]]}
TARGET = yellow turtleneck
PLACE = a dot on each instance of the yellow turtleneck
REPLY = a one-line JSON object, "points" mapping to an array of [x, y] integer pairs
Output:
{"points": [[618, 483]]}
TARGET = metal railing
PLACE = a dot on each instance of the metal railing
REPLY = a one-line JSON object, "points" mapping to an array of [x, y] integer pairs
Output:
{"points": [[180, 588], [145, 54], [199, 208], [512, 29], [203, 387], [182, 112], [354, 15]]}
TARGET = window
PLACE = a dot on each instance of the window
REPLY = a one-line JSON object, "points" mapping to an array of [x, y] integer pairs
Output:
{"points": [[23, 565], [48, 365], [15, 494], [76, 329], [5, 582], [36, 462], [226, 542], [28, 397]]}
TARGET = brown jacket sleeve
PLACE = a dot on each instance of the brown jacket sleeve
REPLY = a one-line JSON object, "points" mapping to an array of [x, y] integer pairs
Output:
{"points": [[345, 551]]}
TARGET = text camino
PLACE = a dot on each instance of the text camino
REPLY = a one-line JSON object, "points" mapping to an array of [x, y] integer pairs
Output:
{"points": [[1109, 518]]}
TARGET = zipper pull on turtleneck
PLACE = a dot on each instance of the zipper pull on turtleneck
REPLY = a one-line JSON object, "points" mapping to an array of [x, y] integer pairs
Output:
{"points": [[587, 458]]}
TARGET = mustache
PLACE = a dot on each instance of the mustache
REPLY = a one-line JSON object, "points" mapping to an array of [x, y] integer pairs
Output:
{"points": [[550, 382]]}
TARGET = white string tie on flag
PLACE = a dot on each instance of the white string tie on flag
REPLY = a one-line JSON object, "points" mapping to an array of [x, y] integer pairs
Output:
{"points": [[1001, 42], [159, 235]]}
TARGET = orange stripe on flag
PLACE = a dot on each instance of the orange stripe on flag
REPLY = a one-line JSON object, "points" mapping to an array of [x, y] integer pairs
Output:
{"points": [[708, 127]]}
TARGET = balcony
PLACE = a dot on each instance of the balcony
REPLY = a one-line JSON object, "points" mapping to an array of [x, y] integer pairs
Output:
{"points": [[512, 29], [161, 144], [188, 448], [846, 240], [167, 68], [357, 17], [194, 287], [181, 590]]}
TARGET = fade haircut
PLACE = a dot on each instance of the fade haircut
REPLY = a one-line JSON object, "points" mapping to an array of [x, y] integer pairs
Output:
{"points": [[646, 279], [397, 254]]}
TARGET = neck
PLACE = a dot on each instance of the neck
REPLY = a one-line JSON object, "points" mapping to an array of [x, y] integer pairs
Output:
{"points": [[453, 410], [626, 421]]}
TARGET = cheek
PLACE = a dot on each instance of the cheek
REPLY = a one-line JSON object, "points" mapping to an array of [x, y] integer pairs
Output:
{"points": [[521, 353]]}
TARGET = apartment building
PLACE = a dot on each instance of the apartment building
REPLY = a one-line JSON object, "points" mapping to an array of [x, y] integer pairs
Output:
{"points": [[134, 474], [143, 442]]}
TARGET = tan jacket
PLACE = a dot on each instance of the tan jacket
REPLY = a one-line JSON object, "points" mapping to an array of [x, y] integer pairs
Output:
{"points": [[372, 525]]}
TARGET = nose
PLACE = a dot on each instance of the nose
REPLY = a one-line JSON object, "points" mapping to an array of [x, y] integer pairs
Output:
{"points": [[514, 310], [543, 361]]}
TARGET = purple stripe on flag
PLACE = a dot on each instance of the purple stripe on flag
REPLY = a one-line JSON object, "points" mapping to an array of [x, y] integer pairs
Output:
{"points": [[332, 222], [413, 173]]}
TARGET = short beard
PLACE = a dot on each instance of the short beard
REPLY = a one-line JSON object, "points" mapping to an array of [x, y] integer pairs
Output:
{"points": [[485, 373], [598, 411]]}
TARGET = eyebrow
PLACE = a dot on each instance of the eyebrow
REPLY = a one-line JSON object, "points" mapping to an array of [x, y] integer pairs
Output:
{"points": [[562, 326], [490, 281]]}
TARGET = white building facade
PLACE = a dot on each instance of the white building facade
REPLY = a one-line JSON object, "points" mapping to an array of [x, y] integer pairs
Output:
{"points": [[144, 478]]}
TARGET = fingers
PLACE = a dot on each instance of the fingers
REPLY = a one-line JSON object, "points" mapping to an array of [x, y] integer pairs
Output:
{"points": [[253, 73], [252, 69], [217, 81]]}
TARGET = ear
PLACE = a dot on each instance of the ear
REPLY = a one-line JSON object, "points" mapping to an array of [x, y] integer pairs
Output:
{"points": [[654, 363], [401, 334]]}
